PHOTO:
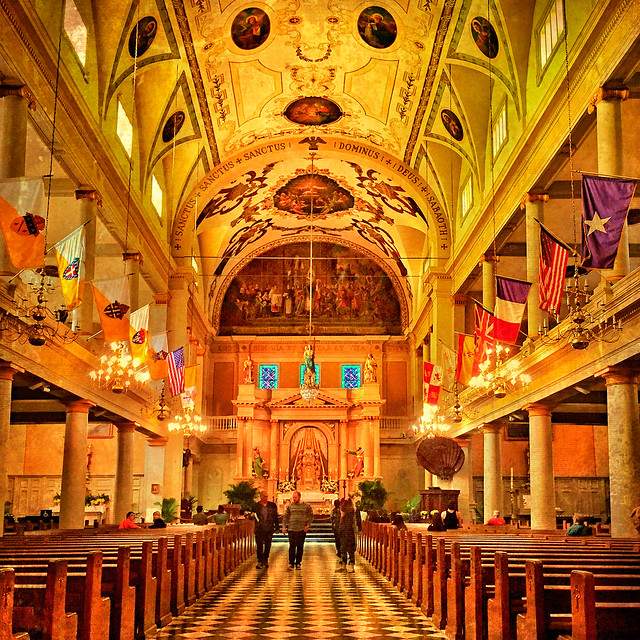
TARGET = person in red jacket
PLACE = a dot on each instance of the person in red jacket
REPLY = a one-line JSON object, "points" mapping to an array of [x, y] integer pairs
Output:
{"points": [[496, 519], [128, 522]]}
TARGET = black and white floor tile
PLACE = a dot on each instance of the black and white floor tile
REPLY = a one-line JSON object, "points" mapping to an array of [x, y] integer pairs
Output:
{"points": [[315, 602]]}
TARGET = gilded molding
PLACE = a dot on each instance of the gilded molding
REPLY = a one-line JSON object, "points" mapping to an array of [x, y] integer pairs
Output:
{"points": [[533, 197], [606, 94], [89, 194], [19, 90]]}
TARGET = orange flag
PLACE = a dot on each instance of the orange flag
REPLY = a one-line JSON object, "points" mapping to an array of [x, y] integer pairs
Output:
{"points": [[466, 353], [112, 297], [21, 202]]}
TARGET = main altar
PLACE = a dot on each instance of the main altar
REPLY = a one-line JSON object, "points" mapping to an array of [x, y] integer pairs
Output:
{"points": [[323, 448]]}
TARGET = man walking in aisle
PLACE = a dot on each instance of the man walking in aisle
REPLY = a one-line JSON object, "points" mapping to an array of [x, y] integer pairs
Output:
{"points": [[266, 519], [297, 520]]}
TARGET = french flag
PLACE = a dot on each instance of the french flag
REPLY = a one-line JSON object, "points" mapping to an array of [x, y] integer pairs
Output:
{"points": [[511, 297]]}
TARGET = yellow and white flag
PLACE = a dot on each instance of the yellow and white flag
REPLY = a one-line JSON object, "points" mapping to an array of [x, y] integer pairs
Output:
{"points": [[22, 220], [139, 332], [70, 257], [190, 387], [157, 352], [112, 302]]}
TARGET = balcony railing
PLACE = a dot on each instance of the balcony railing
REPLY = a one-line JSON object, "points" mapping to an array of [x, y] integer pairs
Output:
{"points": [[221, 423]]}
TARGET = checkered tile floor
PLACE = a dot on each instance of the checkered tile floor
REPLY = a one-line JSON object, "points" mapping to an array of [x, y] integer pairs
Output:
{"points": [[315, 602]]}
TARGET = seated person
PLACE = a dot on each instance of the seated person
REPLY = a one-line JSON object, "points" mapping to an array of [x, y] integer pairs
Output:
{"points": [[158, 522], [451, 518], [220, 517], [578, 528], [496, 519], [398, 522], [128, 522], [436, 521], [414, 516], [200, 516]]}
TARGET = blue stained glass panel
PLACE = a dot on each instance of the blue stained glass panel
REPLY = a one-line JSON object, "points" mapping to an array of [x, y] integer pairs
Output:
{"points": [[268, 376], [317, 374], [351, 376]]}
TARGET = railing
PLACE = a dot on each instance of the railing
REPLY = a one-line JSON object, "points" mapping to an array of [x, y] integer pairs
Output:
{"points": [[221, 423], [396, 427]]}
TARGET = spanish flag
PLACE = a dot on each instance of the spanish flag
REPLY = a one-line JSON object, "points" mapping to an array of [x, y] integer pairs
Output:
{"points": [[70, 257], [112, 298], [157, 352], [139, 332], [21, 222]]}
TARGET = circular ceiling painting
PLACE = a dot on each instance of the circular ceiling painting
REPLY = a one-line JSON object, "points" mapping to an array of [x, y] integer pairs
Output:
{"points": [[250, 28], [452, 124], [172, 126], [142, 36], [485, 36], [315, 191], [377, 27], [313, 111]]}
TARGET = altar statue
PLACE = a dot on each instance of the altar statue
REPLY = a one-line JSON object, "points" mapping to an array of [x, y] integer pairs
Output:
{"points": [[247, 370], [258, 461], [309, 365], [370, 369], [358, 467]]}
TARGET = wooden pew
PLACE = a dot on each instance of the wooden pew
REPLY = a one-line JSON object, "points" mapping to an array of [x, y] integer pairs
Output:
{"points": [[6, 607]]}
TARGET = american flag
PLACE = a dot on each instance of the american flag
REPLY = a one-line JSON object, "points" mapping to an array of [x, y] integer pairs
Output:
{"points": [[553, 264], [484, 337], [176, 371]]}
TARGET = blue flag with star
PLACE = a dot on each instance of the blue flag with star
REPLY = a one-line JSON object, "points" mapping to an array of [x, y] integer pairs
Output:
{"points": [[605, 203]]}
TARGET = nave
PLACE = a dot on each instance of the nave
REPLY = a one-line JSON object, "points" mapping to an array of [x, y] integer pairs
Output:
{"points": [[315, 602]]}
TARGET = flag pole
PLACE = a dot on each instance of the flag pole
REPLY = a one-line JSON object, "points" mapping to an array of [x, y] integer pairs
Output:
{"points": [[97, 333], [604, 175], [560, 242]]}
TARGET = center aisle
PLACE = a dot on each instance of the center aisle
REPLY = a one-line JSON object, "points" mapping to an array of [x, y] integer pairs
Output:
{"points": [[314, 602]]}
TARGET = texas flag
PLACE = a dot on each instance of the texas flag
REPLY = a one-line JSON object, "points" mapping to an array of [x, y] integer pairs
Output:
{"points": [[432, 380], [511, 298]]}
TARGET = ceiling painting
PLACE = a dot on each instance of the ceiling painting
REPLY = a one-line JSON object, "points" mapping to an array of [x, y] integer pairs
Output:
{"points": [[313, 111], [250, 29], [377, 27], [311, 194]]}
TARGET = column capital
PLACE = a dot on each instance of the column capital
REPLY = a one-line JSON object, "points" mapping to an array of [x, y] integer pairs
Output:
{"points": [[134, 256], [533, 197], [126, 426], [21, 90], [606, 94], [157, 442], [538, 408], [161, 298], [492, 428], [618, 375], [459, 299], [487, 258], [89, 194], [79, 406], [8, 370]]}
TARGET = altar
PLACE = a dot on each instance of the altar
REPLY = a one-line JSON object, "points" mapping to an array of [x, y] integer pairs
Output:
{"points": [[317, 499]]}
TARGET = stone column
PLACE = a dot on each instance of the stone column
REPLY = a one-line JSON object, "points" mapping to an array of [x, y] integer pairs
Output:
{"points": [[273, 448], [543, 490], [240, 452], [172, 475], [153, 475], [428, 479], [90, 201], [343, 444], [463, 481], [375, 439], [7, 371], [188, 478], [74, 465], [624, 447], [492, 469], [488, 264], [608, 105], [124, 471], [533, 204], [178, 309], [133, 261]]}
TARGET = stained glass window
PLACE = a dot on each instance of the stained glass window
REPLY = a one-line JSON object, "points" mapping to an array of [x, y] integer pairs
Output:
{"points": [[317, 374], [268, 376], [350, 376]]}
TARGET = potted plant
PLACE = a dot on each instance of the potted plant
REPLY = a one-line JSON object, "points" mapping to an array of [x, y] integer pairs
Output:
{"points": [[243, 493], [168, 509], [372, 495]]}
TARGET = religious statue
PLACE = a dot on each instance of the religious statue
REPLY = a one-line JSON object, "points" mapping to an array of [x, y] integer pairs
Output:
{"points": [[309, 365], [247, 369], [370, 369], [258, 461], [358, 467]]}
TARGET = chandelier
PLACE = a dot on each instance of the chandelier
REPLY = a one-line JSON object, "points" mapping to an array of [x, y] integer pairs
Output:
{"points": [[580, 328], [501, 379], [33, 321], [161, 410], [309, 388], [431, 423], [119, 370], [188, 422]]}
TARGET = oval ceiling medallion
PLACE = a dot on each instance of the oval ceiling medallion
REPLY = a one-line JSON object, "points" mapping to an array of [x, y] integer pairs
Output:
{"points": [[172, 126], [142, 36], [250, 28], [485, 36], [377, 27], [326, 195], [313, 111], [452, 124]]}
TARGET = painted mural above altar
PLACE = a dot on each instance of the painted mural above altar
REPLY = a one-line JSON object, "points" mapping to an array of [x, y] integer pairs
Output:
{"points": [[350, 294]]}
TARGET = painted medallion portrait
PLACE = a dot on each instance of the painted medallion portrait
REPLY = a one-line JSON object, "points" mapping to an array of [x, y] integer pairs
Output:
{"points": [[142, 36], [172, 126], [250, 29], [485, 36], [452, 124], [313, 111], [377, 27], [320, 193]]}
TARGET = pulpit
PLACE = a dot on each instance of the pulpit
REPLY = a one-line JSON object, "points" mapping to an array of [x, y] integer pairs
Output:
{"points": [[437, 498]]}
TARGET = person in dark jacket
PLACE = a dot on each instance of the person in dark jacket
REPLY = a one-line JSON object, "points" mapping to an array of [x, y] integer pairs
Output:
{"points": [[265, 514], [158, 522], [451, 518], [436, 521], [347, 533], [335, 524]]}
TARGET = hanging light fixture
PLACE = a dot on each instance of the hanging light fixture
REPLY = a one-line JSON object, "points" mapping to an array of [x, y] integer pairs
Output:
{"points": [[431, 423], [309, 388], [502, 378], [189, 422], [160, 410], [119, 371]]}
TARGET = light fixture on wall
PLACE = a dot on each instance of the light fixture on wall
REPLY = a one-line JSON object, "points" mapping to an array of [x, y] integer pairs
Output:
{"points": [[119, 371], [309, 388], [505, 377]]}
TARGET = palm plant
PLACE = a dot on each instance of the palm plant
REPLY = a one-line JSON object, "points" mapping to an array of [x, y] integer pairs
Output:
{"points": [[243, 493], [372, 495], [168, 509]]}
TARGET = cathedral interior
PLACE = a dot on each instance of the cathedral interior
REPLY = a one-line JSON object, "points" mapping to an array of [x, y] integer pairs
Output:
{"points": [[309, 198]]}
